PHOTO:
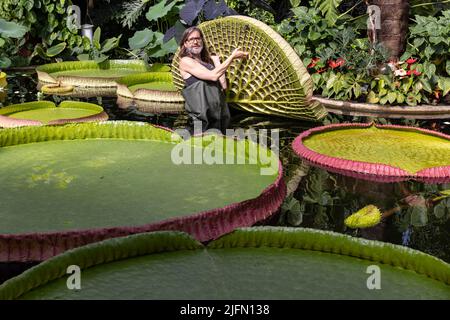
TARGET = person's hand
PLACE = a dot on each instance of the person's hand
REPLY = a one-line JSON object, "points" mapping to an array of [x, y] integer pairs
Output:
{"points": [[238, 54]]}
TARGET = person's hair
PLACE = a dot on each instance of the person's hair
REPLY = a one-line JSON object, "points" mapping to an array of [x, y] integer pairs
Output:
{"points": [[204, 55]]}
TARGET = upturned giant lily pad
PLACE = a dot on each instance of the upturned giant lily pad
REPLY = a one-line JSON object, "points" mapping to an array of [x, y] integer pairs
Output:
{"points": [[272, 81], [66, 186], [40, 113], [154, 90], [89, 73], [253, 263], [384, 153]]}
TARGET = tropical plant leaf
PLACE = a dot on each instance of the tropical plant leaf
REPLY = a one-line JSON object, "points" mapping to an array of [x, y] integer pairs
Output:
{"points": [[55, 50], [168, 47], [175, 32], [5, 62], [213, 10], [441, 209], [189, 13], [100, 58], [96, 38], [160, 10], [419, 216], [141, 39], [329, 8], [110, 44], [83, 57], [444, 85], [11, 29]]}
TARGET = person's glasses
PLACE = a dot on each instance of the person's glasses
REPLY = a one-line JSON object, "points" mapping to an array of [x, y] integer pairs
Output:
{"points": [[192, 40]]}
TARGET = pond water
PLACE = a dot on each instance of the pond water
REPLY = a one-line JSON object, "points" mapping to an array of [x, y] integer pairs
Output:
{"points": [[318, 199]]}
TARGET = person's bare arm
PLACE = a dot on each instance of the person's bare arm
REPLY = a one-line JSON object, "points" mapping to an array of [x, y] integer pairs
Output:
{"points": [[192, 67], [222, 79]]}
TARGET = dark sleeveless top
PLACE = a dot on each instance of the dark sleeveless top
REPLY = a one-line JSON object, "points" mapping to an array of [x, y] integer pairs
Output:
{"points": [[193, 79]]}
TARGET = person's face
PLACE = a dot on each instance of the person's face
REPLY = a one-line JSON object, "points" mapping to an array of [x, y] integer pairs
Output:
{"points": [[194, 43]]}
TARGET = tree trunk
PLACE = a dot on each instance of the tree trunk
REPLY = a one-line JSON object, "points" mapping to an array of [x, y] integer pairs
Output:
{"points": [[394, 25]]}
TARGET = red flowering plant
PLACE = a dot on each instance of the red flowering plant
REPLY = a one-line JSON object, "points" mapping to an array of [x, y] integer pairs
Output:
{"points": [[409, 81], [397, 83]]}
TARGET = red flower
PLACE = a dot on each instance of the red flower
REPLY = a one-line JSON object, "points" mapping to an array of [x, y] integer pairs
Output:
{"points": [[411, 61], [414, 72], [321, 70], [335, 64], [340, 62], [332, 64], [313, 62]]}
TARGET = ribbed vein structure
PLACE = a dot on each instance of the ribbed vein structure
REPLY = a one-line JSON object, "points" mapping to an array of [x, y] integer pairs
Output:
{"points": [[272, 81]]}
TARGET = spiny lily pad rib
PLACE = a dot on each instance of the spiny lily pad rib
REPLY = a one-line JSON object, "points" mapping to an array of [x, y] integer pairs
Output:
{"points": [[251, 263], [66, 186], [40, 113], [383, 153], [272, 81], [89, 73]]}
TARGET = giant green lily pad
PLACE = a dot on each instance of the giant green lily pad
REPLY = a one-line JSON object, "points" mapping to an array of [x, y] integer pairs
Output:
{"points": [[273, 80], [64, 186], [154, 91], [253, 263], [89, 73], [384, 153], [39, 113]]}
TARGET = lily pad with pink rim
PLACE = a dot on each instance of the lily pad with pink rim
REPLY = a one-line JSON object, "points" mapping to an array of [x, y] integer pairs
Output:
{"points": [[263, 263], [383, 153], [66, 186], [40, 113]]}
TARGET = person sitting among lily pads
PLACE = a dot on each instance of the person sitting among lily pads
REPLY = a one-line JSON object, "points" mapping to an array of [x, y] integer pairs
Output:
{"points": [[205, 81]]}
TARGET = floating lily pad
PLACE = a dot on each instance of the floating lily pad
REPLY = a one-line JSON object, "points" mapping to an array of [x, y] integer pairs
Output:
{"points": [[273, 80], [384, 153], [65, 186], [3, 82], [89, 73], [56, 89], [253, 263], [152, 88], [40, 113]]}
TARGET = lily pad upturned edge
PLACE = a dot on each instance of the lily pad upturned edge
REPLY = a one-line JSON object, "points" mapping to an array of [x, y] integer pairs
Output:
{"points": [[275, 237], [45, 77], [8, 122], [366, 170], [204, 226]]}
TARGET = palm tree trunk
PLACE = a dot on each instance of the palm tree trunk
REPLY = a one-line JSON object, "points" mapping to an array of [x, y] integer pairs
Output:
{"points": [[394, 25]]}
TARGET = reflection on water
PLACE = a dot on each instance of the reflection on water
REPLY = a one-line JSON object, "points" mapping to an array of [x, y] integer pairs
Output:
{"points": [[318, 199]]}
